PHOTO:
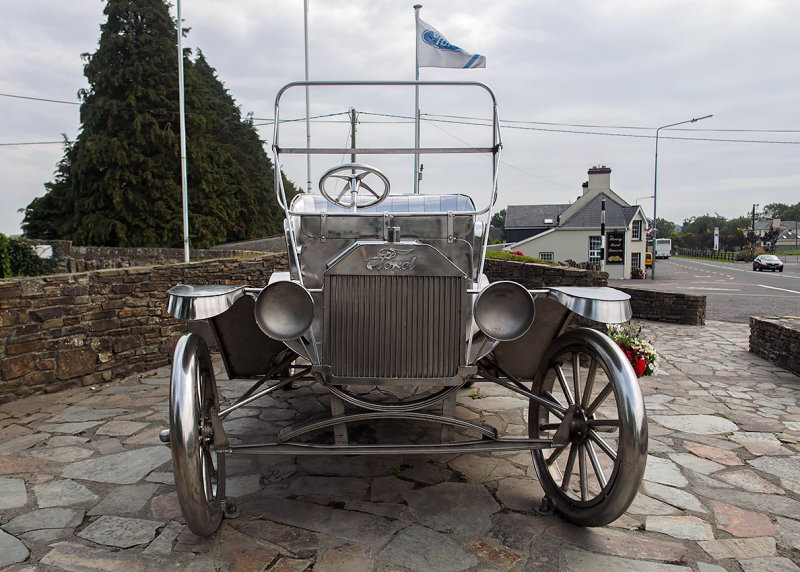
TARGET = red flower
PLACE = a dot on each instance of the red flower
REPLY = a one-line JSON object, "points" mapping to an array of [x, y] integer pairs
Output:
{"points": [[639, 367]]}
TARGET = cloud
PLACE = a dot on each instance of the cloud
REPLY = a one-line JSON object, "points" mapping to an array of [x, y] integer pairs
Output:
{"points": [[616, 62]]}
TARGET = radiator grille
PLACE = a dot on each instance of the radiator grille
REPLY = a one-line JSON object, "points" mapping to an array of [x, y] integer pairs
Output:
{"points": [[394, 326]]}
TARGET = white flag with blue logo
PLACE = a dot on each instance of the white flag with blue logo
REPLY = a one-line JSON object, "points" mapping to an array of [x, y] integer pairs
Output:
{"points": [[434, 51]]}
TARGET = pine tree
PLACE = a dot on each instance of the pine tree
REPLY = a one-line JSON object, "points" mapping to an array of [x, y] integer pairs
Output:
{"points": [[119, 184], [231, 179], [52, 216], [126, 169]]}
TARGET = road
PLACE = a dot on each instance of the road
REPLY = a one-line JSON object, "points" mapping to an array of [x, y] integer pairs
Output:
{"points": [[733, 291]]}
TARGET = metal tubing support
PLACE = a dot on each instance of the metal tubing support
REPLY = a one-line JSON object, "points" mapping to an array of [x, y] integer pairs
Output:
{"points": [[482, 446], [556, 409], [416, 98], [182, 112], [449, 410], [287, 434], [340, 427], [308, 105], [390, 407], [260, 394]]}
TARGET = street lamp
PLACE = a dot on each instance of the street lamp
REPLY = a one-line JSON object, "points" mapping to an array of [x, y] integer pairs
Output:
{"points": [[655, 186]]}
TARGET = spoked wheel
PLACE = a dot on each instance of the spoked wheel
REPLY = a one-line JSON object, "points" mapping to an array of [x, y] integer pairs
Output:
{"points": [[593, 471], [193, 393]]}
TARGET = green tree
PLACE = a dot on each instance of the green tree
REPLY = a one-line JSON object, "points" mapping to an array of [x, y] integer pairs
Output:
{"points": [[781, 211], [665, 227], [18, 258], [120, 183], [774, 210], [230, 175], [770, 238], [733, 233], [698, 232], [52, 216], [499, 222], [126, 169]]}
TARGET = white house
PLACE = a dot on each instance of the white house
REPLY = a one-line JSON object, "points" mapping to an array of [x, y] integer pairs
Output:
{"points": [[576, 234]]}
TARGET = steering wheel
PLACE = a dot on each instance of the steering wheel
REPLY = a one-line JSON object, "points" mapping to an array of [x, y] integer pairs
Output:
{"points": [[354, 175]]}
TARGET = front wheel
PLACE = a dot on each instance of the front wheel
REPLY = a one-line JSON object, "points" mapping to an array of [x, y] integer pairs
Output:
{"points": [[193, 392], [592, 478]]}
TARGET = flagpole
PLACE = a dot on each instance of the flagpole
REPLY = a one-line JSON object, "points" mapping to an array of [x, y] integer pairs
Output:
{"points": [[416, 99], [308, 114], [182, 115]]}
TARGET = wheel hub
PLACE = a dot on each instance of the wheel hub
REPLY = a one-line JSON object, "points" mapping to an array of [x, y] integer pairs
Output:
{"points": [[578, 427]]}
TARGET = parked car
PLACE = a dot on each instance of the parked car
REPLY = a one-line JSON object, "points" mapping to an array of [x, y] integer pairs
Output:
{"points": [[768, 262], [648, 259]]}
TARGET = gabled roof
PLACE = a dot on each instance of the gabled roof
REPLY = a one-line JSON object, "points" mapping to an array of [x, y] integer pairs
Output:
{"points": [[533, 216], [588, 196], [530, 239], [587, 215]]}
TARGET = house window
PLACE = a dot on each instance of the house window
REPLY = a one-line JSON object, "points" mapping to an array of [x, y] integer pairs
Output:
{"points": [[595, 243], [636, 231], [636, 260], [546, 256]]}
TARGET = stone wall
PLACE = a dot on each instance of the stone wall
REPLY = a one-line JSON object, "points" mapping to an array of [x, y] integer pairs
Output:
{"points": [[667, 306], [777, 340], [92, 327], [70, 258], [533, 275]]}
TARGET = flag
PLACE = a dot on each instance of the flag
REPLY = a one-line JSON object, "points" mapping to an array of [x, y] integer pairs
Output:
{"points": [[434, 51]]}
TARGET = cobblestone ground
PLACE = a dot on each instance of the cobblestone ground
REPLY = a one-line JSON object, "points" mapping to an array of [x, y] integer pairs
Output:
{"points": [[86, 485]]}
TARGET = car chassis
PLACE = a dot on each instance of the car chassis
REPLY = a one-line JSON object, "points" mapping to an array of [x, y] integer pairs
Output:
{"points": [[388, 291]]}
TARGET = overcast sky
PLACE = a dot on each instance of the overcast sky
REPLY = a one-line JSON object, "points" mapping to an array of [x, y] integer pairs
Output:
{"points": [[589, 82]]}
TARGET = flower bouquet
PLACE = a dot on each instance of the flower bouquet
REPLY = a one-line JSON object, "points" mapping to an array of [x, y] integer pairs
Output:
{"points": [[640, 352]]}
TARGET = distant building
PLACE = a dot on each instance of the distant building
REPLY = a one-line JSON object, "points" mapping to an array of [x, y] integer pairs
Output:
{"points": [[572, 231], [524, 221], [787, 239]]}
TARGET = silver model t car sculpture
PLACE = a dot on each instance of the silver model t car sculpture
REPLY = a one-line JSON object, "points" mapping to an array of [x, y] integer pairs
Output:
{"points": [[387, 291]]}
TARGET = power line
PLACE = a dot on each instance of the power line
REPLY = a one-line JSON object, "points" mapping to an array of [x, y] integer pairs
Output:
{"points": [[39, 99], [481, 122], [35, 143], [637, 127]]}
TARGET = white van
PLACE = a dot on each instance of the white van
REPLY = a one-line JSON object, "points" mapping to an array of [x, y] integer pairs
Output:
{"points": [[663, 247]]}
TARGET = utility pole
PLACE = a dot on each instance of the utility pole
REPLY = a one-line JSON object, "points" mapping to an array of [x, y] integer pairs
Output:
{"points": [[655, 186], [353, 134], [753, 238], [602, 235]]}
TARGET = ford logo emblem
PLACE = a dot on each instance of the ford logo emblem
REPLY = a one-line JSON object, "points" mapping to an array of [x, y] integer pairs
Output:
{"points": [[432, 38]]}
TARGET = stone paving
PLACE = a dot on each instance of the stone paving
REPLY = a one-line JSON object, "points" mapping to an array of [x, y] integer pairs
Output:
{"points": [[86, 485]]}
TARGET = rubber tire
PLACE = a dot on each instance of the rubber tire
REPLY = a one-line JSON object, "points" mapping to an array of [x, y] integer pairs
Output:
{"points": [[631, 455], [193, 392]]}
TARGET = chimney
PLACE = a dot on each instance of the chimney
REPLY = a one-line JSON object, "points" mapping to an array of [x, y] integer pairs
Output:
{"points": [[599, 179]]}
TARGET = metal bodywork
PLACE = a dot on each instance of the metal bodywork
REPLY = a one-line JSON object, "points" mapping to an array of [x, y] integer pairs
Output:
{"points": [[393, 295]]}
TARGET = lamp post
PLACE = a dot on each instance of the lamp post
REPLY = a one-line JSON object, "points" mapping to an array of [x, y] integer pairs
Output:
{"points": [[655, 186]]}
